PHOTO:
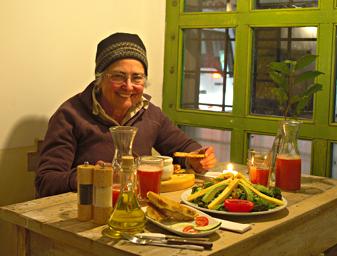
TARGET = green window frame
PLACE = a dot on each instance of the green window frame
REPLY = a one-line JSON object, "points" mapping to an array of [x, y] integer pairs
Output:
{"points": [[321, 130]]}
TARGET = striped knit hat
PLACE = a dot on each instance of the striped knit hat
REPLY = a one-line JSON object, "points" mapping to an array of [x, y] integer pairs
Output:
{"points": [[120, 46]]}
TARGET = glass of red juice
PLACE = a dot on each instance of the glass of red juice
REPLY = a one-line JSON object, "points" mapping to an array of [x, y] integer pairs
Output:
{"points": [[149, 173], [259, 175], [259, 167]]}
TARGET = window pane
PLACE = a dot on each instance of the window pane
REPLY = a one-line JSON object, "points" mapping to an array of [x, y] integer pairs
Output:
{"points": [[277, 44], [219, 139], [265, 142], [208, 69], [279, 4], [334, 161], [209, 5]]}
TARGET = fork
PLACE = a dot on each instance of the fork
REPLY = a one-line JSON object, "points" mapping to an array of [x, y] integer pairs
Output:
{"points": [[142, 241]]}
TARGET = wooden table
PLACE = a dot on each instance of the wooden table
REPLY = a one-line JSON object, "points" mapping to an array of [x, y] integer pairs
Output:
{"points": [[308, 226]]}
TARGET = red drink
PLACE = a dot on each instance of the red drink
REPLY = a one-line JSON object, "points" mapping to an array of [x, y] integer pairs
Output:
{"points": [[259, 175], [148, 179], [115, 193], [288, 172]]}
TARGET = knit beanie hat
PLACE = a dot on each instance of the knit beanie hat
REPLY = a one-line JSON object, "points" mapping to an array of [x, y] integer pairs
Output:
{"points": [[120, 46]]}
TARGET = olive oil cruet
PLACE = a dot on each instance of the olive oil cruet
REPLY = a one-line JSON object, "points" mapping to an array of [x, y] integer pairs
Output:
{"points": [[127, 215], [122, 137]]}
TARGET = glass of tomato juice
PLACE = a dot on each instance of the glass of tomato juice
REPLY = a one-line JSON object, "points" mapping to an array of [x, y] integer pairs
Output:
{"points": [[149, 173], [259, 167]]}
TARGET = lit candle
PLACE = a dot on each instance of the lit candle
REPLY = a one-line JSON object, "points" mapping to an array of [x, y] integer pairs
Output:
{"points": [[230, 170]]}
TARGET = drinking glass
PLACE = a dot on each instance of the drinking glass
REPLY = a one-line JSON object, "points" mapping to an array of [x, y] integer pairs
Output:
{"points": [[149, 173], [259, 167]]}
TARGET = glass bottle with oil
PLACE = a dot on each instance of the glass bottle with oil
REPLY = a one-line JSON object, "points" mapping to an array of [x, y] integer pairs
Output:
{"points": [[127, 215]]}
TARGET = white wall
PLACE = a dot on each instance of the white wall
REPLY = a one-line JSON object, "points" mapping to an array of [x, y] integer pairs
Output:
{"points": [[47, 54], [47, 51]]}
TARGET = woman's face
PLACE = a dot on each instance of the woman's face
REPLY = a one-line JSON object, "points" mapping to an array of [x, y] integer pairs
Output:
{"points": [[123, 83]]}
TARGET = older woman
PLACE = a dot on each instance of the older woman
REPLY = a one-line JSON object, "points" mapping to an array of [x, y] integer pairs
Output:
{"points": [[78, 131]]}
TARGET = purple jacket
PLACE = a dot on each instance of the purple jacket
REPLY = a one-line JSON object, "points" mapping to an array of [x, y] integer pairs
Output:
{"points": [[75, 135]]}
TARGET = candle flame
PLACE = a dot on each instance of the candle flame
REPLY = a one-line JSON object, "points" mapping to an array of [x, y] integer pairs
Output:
{"points": [[230, 170]]}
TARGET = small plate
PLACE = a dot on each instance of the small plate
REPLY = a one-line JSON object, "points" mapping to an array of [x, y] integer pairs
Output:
{"points": [[177, 227], [186, 193]]}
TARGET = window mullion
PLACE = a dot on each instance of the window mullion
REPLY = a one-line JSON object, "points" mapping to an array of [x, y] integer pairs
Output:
{"points": [[323, 99], [241, 73]]}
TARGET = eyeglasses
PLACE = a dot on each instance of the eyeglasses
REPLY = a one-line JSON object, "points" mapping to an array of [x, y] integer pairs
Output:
{"points": [[121, 77]]}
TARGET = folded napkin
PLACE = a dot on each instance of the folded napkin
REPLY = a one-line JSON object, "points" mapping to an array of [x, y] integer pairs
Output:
{"points": [[234, 226]]}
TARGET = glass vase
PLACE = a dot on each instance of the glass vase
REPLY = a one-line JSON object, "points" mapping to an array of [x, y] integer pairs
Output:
{"points": [[288, 159]]}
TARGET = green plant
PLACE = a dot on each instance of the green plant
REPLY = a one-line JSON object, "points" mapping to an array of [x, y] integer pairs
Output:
{"points": [[287, 75]]}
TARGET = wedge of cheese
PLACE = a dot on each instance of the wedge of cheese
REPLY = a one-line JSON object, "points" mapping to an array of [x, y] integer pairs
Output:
{"points": [[178, 182]]}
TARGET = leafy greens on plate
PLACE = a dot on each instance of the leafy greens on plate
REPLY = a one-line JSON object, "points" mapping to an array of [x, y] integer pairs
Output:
{"points": [[212, 194]]}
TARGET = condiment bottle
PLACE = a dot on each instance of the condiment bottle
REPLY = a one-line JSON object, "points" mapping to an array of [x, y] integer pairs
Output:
{"points": [[127, 215], [84, 191], [102, 203]]}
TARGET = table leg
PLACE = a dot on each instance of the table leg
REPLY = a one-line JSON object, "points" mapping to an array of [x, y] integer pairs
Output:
{"points": [[22, 241]]}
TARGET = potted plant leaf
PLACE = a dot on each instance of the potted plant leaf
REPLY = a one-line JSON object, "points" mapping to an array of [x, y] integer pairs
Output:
{"points": [[287, 75]]}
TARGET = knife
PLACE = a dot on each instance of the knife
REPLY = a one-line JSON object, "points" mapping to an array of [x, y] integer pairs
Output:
{"points": [[159, 236], [205, 244], [179, 246], [163, 242]]}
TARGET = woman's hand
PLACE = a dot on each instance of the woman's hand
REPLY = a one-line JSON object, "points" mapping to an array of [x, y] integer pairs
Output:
{"points": [[202, 165]]}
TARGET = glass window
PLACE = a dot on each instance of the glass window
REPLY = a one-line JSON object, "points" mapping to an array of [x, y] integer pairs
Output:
{"points": [[277, 44], [209, 5], [208, 69], [219, 139], [279, 4], [265, 142], [334, 161]]}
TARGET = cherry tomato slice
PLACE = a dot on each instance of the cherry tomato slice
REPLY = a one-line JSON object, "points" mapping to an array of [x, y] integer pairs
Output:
{"points": [[201, 221], [189, 229], [238, 205]]}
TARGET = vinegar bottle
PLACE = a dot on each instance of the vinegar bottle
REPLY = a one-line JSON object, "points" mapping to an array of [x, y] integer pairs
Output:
{"points": [[127, 215], [288, 160]]}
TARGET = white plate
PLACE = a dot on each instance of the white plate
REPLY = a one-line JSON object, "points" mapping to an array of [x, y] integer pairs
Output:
{"points": [[186, 193], [171, 225]]}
